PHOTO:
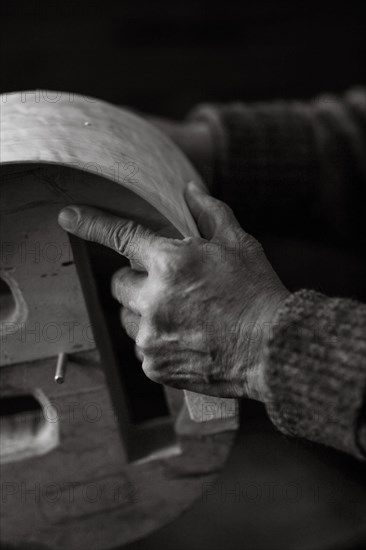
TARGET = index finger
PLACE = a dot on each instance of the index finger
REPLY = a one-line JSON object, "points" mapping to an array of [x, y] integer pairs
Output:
{"points": [[126, 237]]}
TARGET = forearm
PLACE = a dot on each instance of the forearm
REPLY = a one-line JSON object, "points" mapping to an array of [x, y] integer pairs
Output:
{"points": [[292, 165], [315, 371]]}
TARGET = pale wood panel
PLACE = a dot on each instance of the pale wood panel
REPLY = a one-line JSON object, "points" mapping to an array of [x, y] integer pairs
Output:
{"points": [[140, 173], [82, 494]]}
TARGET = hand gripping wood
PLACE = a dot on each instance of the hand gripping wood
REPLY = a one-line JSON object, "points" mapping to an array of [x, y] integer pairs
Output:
{"points": [[135, 171]]}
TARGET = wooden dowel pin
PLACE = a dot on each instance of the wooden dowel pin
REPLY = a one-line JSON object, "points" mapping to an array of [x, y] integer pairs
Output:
{"points": [[61, 368]]}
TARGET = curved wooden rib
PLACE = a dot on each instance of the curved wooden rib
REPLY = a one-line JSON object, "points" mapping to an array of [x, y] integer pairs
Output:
{"points": [[148, 171], [96, 137]]}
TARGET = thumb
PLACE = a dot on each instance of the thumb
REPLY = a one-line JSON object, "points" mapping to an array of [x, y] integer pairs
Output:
{"points": [[213, 217]]}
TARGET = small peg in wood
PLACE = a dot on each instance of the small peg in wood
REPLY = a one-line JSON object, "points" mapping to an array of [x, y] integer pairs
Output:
{"points": [[61, 368]]}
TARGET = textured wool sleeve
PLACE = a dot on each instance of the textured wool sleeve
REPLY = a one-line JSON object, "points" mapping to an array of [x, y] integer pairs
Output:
{"points": [[315, 371], [293, 164], [301, 167]]}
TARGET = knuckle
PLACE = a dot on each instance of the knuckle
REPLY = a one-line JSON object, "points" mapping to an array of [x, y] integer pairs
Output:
{"points": [[147, 306], [131, 328], [256, 249], [149, 300], [146, 340], [211, 201], [220, 208], [138, 353], [121, 273], [123, 237], [165, 260], [151, 371], [129, 323], [176, 256], [118, 279], [127, 238], [250, 243]]}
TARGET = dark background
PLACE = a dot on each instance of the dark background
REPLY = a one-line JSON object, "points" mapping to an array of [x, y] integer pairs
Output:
{"points": [[165, 56]]}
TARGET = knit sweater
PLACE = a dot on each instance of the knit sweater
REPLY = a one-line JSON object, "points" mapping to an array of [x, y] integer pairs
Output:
{"points": [[302, 167]]}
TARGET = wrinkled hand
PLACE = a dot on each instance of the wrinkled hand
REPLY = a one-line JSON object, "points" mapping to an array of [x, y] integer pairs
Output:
{"points": [[200, 310]]}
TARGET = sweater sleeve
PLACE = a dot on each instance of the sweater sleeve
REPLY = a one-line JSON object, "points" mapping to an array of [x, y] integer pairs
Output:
{"points": [[315, 371], [293, 164]]}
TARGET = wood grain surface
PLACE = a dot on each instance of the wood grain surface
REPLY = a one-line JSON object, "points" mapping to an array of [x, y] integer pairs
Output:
{"points": [[96, 138], [84, 492], [82, 495]]}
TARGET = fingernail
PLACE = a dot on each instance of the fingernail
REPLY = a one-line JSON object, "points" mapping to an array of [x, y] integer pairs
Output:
{"points": [[68, 218]]}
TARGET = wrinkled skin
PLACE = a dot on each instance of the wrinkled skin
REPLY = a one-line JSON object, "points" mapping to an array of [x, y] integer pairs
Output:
{"points": [[199, 309]]}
